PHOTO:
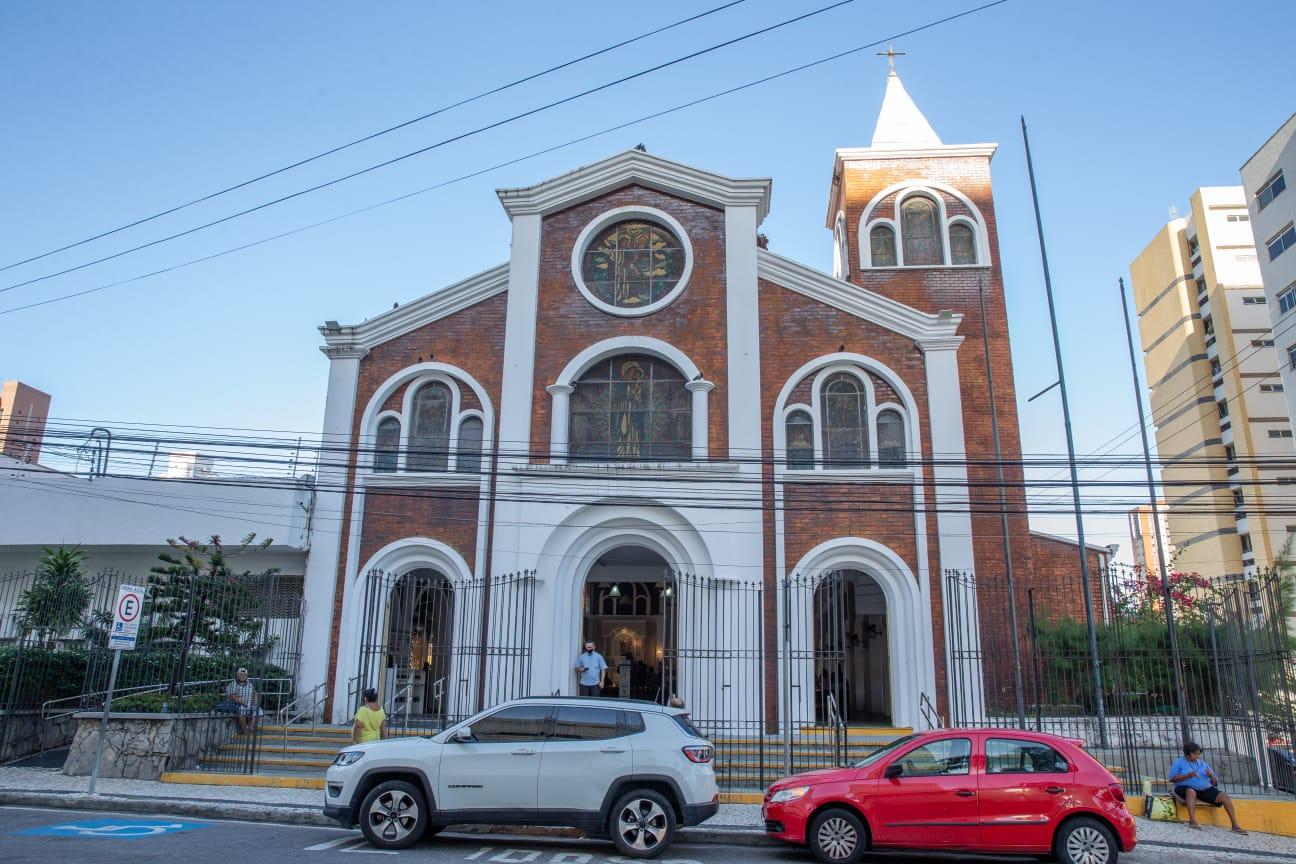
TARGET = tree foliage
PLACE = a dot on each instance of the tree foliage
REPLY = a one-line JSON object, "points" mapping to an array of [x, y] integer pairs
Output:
{"points": [[58, 597]]}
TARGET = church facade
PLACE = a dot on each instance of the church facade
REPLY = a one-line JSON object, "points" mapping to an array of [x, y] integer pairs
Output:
{"points": [[646, 429]]}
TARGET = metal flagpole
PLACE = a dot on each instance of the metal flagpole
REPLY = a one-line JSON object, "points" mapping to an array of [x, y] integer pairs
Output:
{"points": [[1180, 695], [1099, 705], [1003, 513]]}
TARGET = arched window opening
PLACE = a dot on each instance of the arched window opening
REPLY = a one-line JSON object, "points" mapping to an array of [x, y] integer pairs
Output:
{"points": [[962, 244], [800, 440], [633, 263], [882, 246], [387, 445], [845, 421], [632, 408], [920, 228], [891, 439], [429, 448], [469, 452]]}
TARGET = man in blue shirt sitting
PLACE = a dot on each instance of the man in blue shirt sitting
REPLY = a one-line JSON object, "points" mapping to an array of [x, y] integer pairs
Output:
{"points": [[1193, 781]]}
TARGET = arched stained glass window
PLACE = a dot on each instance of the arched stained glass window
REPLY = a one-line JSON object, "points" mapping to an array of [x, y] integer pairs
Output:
{"points": [[387, 444], [920, 229], [891, 439], [468, 455], [429, 447], [845, 421], [962, 244], [633, 263], [800, 440], [882, 246], [632, 408]]}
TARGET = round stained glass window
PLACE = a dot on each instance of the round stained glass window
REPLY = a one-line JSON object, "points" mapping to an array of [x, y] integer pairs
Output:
{"points": [[633, 264]]}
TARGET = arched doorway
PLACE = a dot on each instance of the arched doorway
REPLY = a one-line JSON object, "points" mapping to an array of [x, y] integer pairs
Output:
{"points": [[419, 644], [852, 672], [627, 610]]}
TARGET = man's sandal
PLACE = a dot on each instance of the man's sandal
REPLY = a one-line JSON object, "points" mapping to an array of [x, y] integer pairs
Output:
{"points": [[1241, 831], [1195, 826]]}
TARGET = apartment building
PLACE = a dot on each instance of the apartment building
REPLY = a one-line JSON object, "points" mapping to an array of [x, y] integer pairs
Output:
{"points": [[1143, 539], [1222, 425]]}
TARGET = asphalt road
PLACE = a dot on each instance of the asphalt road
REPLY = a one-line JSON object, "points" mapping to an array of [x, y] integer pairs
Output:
{"points": [[42, 836]]}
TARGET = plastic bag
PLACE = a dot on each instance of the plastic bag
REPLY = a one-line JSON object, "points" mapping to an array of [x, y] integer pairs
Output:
{"points": [[1162, 808]]}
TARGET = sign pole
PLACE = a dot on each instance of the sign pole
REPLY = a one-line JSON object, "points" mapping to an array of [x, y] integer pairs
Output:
{"points": [[103, 721]]}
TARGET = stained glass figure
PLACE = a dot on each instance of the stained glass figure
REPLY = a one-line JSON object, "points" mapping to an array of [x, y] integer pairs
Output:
{"points": [[800, 440], [921, 233], [631, 408], [387, 444], [430, 434], [633, 264], [845, 421]]}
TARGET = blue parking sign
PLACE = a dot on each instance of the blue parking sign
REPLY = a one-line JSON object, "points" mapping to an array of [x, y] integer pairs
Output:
{"points": [[118, 829]]}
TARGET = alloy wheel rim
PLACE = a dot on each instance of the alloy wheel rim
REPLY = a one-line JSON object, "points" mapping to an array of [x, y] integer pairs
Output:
{"points": [[837, 838], [393, 815], [1088, 846], [642, 824]]}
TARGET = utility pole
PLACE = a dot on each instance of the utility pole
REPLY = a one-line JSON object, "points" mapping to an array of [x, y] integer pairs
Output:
{"points": [[1181, 701], [1003, 513], [1100, 707]]}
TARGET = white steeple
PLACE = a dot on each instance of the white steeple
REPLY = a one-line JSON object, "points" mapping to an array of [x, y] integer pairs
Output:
{"points": [[900, 124]]}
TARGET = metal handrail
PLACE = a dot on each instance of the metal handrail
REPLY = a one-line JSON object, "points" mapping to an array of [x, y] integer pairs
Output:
{"points": [[312, 694], [839, 726], [929, 712], [391, 703], [140, 690]]}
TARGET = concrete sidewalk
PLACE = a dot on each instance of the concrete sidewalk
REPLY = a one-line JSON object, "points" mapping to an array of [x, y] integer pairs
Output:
{"points": [[735, 823]]}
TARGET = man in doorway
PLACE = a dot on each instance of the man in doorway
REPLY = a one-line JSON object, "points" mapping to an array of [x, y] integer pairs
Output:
{"points": [[591, 670]]}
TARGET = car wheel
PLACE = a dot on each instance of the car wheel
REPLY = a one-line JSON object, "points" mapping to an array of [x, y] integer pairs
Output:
{"points": [[642, 824], [1085, 841], [837, 836], [393, 815]]}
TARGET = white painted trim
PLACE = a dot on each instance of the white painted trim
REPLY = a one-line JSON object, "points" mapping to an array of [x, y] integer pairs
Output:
{"points": [[418, 480], [913, 670], [932, 188], [417, 313], [620, 214], [866, 242], [615, 345], [645, 169], [742, 334], [976, 240], [841, 245], [699, 418], [854, 300]]}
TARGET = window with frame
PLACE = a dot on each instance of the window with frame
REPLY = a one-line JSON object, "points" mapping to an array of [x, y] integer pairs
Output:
{"points": [[1253, 301], [946, 757], [468, 451], [1271, 388], [1287, 299], [1014, 756], [962, 244], [429, 446], [1291, 356], [633, 263], [1261, 343], [1272, 188], [845, 421], [891, 439], [387, 445], [517, 723], [882, 246], [631, 408], [1246, 542], [800, 440], [1280, 433], [578, 723], [1282, 241], [920, 231]]}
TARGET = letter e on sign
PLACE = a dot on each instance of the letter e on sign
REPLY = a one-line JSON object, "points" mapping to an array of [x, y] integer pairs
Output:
{"points": [[126, 617]]}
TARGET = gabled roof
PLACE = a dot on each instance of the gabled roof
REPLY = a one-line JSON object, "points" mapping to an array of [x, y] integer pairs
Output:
{"points": [[926, 329], [416, 313], [900, 123], [645, 169]]}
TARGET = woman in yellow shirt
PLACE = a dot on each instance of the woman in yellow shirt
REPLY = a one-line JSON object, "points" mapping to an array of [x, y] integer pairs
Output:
{"points": [[370, 720]]}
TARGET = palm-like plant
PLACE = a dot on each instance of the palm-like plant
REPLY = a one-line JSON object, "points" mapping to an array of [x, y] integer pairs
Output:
{"points": [[57, 600]]}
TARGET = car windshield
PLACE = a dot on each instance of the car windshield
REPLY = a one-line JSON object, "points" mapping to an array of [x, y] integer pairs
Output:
{"points": [[884, 750]]}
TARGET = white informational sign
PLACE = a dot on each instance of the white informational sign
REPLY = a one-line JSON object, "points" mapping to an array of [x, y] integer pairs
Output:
{"points": [[126, 617]]}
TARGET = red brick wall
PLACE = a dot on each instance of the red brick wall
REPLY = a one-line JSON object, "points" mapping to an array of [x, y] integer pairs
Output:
{"points": [[1055, 576], [694, 322]]}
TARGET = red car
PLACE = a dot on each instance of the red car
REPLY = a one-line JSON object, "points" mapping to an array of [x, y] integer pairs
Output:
{"points": [[972, 790]]}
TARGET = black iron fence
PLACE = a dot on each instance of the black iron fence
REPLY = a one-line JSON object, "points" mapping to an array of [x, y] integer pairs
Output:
{"points": [[1235, 658]]}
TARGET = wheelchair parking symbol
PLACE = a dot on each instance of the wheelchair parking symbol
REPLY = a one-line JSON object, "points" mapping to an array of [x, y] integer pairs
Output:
{"points": [[120, 829]]}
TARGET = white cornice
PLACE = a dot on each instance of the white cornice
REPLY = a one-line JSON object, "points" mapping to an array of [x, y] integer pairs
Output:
{"points": [[857, 301], [635, 166], [411, 316], [877, 154]]}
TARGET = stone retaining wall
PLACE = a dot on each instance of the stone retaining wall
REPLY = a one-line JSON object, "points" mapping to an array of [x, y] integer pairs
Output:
{"points": [[25, 733], [142, 746]]}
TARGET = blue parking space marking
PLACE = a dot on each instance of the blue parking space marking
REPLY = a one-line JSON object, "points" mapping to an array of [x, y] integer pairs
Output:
{"points": [[119, 829]]}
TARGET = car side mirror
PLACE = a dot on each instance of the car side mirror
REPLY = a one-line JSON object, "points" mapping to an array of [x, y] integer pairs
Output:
{"points": [[895, 769], [462, 735]]}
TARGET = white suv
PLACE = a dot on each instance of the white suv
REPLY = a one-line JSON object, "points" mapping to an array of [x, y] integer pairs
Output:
{"points": [[628, 770]]}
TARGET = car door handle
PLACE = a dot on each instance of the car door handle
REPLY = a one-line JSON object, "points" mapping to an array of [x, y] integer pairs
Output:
{"points": [[612, 750], [1054, 790], [965, 793], [525, 752]]}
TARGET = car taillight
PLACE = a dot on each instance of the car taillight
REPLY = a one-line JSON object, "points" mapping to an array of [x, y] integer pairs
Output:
{"points": [[1117, 793], [699, 752]]}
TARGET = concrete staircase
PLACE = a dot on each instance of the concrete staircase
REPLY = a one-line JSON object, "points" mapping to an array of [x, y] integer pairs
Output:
{"points": [[752, 763], [290, 756]]}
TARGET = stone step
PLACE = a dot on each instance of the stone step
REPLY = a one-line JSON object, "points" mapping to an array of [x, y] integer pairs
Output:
{"points": [[231, 758]]}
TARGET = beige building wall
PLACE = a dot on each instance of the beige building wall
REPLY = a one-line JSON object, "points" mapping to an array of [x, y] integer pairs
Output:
{"points": [[1143, 539], [1221, 424]]}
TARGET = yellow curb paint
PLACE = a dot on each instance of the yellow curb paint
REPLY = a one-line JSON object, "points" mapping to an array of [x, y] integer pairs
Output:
{"points": [[742, 797], [203, 778], [1259, 815]]}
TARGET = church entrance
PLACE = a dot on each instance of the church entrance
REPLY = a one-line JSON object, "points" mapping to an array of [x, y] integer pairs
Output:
{"points": [[852, 658], [418, 648], [629, 602]]}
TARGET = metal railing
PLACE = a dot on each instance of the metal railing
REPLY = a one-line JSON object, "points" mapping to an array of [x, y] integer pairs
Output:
{"points": [[929, 713]]}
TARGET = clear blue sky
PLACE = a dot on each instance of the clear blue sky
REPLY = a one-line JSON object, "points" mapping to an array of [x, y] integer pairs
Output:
{"points": [[113, 111]]}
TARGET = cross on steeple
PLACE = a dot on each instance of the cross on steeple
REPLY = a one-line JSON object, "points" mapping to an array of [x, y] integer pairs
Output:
{"points": [[891, 54]]}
